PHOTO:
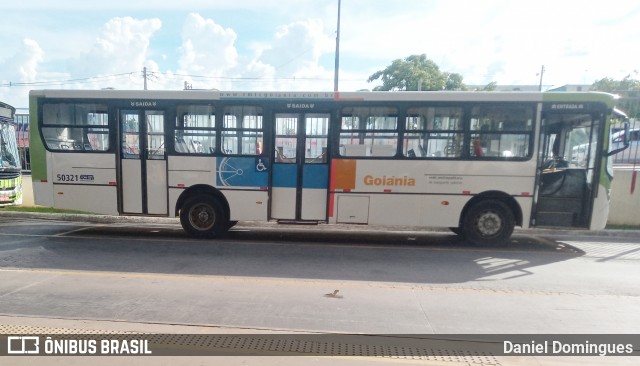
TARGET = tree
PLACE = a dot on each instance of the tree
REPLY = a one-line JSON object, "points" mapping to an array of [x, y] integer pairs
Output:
{"points": [[416, 72], [627, 88], [492, 86]]}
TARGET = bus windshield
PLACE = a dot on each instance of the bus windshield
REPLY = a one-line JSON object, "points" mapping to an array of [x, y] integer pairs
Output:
{"points": [[9, 157]]}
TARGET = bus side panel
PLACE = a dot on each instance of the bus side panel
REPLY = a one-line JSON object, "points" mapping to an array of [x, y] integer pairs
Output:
{"points": [[413, 210], [42, 182], [602, 201], [186, 171], [600, 208], [526, 205], [83, 168], [42, 193], [423, 193], [247, 205], [434, 177], [98, 199], [84, 181], [409, 210], [236, 178]]}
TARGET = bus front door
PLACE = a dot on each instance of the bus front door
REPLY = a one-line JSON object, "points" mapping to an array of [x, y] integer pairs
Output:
{"points": [[143, 165], [567, 170], [300, 172]]}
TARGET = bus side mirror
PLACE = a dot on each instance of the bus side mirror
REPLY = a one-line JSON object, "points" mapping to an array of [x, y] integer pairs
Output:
{"points": [[624, 139]]}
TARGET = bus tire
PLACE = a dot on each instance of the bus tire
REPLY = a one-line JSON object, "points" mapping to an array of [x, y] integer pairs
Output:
{"points": [[488, 222], [202, 216]]}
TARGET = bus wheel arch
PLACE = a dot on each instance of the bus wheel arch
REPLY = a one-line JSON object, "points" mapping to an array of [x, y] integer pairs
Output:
{"points": [[203, 211], [489, 218]]}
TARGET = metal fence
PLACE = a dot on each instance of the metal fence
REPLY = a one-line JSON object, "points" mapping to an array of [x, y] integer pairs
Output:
{"points": [[632, 154], [24, 159]]}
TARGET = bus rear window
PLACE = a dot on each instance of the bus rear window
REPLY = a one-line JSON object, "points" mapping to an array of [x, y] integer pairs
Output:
{"points": [[195, 130], [76, 127]]}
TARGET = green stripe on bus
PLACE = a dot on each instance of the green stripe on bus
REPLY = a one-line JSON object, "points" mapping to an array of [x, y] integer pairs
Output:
{"points": [[36, 146], [563, 97]]}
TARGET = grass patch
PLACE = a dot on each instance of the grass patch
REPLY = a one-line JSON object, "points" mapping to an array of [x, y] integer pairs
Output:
{"points": [[42, 209]]}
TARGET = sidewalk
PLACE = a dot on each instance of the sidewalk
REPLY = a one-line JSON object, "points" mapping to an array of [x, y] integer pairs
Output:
{"points": [[241, 346]]}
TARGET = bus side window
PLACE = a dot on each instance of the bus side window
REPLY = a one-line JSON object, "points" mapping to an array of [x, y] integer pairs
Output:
{"points": [[181, 145], [477, 148], [355, 150]]}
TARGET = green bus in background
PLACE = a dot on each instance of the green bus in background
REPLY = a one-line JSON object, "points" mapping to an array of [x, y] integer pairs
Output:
{"points": [[10, 167]]}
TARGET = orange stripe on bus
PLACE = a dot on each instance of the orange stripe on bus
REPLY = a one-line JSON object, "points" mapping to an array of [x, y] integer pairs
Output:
{"points": [[343, 174], [343, 177]]}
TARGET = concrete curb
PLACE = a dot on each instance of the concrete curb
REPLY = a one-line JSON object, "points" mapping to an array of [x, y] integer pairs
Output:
{"points": [[272, 225]]}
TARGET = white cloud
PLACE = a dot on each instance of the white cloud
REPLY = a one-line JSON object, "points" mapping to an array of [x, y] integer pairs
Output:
{"points": [[295, 52], [297, 45], [26, 62], [208, 50], [121, 47], [22, 67], [290, 60]]}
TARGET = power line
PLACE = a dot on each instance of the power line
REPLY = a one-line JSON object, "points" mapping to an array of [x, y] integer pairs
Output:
{"points": [[151, 75], [63, 82], [249, 78]]}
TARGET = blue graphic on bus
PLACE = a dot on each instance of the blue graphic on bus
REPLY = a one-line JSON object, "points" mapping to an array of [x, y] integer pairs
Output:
{"points": [[242, 172], [313, 176]]}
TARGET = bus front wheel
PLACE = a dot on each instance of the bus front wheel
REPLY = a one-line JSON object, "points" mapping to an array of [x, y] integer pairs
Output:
{"points": [[488, 222], [203, 217]]}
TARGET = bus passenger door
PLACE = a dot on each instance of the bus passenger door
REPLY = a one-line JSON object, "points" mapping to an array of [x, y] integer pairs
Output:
{"points": [[568, 168], [300, 170], [143, 165]]}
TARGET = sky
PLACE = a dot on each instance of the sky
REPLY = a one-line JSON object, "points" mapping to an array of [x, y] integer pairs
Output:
{"points": [[290, 44]]}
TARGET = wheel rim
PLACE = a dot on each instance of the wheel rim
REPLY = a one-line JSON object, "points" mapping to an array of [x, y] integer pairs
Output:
{"points": [[489, 223], [202, 217]]}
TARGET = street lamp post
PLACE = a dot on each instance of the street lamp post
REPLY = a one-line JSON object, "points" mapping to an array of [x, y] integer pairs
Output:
{"points": [[337, 65]]}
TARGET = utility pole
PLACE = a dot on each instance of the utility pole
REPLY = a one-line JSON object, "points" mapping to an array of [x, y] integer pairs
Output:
{"points": [[541, 75], [144, 75], [337, 66]]}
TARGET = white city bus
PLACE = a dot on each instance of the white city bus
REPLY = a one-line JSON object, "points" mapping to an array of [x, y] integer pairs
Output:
{"points": [[10, 167], [476, 162]]}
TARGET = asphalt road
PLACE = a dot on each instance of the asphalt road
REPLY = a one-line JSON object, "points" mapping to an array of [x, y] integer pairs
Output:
{"points": [[321, 279], [284, 278]]}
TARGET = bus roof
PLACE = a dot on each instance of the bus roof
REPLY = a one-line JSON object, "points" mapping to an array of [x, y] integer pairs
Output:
{"points": [[411, 96]]}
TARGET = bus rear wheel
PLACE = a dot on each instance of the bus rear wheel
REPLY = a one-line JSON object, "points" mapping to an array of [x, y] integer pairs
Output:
{"points": [[203, 217], [488, 222]]}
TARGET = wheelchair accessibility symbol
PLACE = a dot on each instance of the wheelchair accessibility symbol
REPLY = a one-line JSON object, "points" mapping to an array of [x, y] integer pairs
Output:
{"points": [[260, 165]]}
